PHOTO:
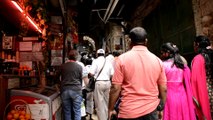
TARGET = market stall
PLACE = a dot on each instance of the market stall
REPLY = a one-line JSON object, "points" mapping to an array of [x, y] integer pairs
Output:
{"points": [[23, 69], [29, 59], [27, 55]]}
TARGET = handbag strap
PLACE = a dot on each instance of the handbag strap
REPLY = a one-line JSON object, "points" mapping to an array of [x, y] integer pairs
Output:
{"points": [[101, 70]]}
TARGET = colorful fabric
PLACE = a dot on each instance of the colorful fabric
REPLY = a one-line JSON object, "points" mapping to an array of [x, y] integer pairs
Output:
{"points": [[199, 87], [179, 102], [139, 72]]}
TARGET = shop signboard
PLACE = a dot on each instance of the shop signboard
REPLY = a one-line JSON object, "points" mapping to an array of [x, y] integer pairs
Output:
{"points": [[30, 38], [25, 46]]}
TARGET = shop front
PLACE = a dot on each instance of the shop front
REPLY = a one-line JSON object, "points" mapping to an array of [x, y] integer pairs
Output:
{"points": [[29, 59], [28, 74]]}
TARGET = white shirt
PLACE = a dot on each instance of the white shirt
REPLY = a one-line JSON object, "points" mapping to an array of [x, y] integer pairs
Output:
{"points": [[84, 72], [97, 65], [110, 58], [88, 67]]}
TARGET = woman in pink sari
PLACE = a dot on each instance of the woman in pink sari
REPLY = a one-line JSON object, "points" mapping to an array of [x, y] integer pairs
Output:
{"points": [[202, 78], [179, 102]]}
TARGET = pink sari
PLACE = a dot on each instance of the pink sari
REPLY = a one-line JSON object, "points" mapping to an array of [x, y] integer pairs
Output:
{"points": [[199, 87]]}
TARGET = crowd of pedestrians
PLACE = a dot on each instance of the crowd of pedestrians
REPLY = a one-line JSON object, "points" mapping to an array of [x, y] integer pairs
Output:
{"points": [[138, 85]]}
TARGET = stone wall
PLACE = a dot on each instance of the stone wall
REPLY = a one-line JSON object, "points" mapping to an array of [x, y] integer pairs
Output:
{"points": [[116, 41], [203, 14]]}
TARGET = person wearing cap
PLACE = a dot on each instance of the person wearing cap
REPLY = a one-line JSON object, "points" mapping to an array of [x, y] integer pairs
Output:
{"points": [[202, 77], [103, 83], [139, 81]]}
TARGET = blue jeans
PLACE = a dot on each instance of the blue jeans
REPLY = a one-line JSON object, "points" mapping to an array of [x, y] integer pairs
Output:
{"points": [[71, 102]]}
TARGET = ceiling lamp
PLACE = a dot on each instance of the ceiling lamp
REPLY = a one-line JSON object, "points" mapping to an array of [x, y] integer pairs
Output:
{"points": [[27, 16], [17, 6]]}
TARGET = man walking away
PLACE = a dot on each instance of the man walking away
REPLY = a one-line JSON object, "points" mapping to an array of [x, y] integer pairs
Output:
{"points": [[139, 80], [71, 87], [103, 83]]}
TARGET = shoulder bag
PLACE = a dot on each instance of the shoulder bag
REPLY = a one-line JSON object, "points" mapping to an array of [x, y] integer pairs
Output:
{"points": [[91, 85]]}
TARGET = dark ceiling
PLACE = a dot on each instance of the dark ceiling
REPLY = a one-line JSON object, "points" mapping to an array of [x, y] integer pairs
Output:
{"points": [[91, 13]]}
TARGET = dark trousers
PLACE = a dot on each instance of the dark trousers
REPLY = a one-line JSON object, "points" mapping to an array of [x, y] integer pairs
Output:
{"points": [[84, 95], [151, 116]]}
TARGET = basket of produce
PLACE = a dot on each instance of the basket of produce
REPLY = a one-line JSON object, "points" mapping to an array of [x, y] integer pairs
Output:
{"points": [[17, 109]]}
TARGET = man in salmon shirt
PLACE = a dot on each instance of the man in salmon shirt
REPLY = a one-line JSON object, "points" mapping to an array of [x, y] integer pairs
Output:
{"points": [[139, 80]]}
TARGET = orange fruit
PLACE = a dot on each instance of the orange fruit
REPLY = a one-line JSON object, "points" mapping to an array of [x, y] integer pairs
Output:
{"points": [[12, 111], [9, 116], [21, 117], [27, 116], [16, 115], [22, 112]]}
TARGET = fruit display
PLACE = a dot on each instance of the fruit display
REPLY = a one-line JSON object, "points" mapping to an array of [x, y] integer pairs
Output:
{"points": [[17, 109], [18, 115]]}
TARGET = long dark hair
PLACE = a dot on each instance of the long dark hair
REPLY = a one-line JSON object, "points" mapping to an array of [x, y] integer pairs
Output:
{"points": [[173, 51], [203, 42]]}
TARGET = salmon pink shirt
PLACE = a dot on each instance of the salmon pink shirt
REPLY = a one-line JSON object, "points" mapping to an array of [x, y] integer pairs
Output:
{"points": [[139, 72]]}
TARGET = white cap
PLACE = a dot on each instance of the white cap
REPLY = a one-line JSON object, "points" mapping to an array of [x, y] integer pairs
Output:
{"points": [[100, 51]]}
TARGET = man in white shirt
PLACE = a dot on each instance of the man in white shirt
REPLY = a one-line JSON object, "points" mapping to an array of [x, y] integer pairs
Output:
{"points": [[110, 58], [103, 83]]}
